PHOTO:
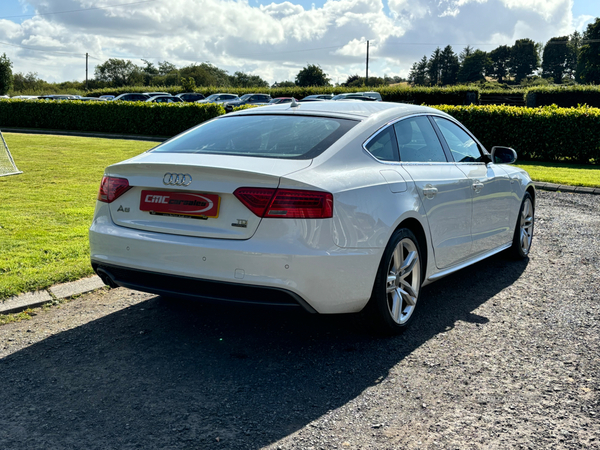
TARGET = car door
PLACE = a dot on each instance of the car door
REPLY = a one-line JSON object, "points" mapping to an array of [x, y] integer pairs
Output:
{"points": [[445, 191], [490, 188]]}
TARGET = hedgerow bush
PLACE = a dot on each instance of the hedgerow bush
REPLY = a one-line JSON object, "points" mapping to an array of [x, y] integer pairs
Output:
{"points": [[152, 119], [564, 96], [547, 133]]}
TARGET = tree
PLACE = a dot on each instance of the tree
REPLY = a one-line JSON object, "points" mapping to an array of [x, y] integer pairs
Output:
{"points": [[283, 84], [29, 82], [6, 75], [524, 59], [165, 68], [205, 74], [312, 75], [241, 79], [473, 67], [589, 54], [434, 67], [499, 63], [149, 71], [575, 45], [358, 81], [354, 80], [467, 51], [188, 84], [449, 66], [118, 72], [556, 58], [392, 80], [418, 73]]}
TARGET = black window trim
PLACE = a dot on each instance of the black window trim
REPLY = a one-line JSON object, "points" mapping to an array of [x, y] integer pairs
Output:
{"points": [[482, 149], [398, 162]]}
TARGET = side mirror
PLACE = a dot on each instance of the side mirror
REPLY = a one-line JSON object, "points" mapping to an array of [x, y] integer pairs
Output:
{"points": [[503, 155]]}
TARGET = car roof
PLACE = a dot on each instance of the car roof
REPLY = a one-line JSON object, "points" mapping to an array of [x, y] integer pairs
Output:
{"points": [[351, 109]]}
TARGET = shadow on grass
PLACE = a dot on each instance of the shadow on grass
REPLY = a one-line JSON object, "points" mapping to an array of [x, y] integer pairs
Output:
{"points": [[166, 375]]}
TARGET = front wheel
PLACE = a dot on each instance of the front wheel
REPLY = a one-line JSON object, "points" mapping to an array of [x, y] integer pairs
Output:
{"points": [[524, 229], [397, 284]]}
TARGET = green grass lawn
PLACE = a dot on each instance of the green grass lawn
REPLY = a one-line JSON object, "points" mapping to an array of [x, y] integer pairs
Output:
{"points": [[569, 174], [45, 212]]}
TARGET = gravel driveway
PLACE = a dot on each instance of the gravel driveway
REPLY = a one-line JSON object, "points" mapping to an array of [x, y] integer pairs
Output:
{"points": [[502, 355]]}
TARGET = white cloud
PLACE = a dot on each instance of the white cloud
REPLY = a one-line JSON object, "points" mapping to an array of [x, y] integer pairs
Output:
{"points": [[277, 39]]}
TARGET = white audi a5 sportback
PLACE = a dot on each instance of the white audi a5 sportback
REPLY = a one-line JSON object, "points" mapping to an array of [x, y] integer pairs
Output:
{"points": [[335, 207]]}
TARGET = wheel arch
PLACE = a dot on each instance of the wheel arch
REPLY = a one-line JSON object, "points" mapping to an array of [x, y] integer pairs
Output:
{"points": [[531, 191], [417, 229]]}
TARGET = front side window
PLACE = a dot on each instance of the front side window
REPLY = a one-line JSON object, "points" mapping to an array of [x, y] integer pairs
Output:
{"points": [[462, 145], [268, 136], [417, 141]]}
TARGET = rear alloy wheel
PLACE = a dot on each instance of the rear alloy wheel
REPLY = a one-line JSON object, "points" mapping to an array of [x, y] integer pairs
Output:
{"points": [[397, 284], [524, 229]]}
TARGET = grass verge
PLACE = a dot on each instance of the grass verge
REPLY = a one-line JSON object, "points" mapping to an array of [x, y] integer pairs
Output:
{"points": [[569, 174], [45, 212]]}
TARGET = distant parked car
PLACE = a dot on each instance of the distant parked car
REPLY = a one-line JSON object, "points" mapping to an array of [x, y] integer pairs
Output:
{"points": [[4, 96], [164, 99], [218, 98], [249, 99], [278, 100], [107, 97], [154, 94], [58, 97], [132, 97], [190, 96], [91, 99], [25, 97], [309, 98], [372, 96]]}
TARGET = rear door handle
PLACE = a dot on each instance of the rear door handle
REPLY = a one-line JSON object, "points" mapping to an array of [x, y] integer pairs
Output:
{"points": [[477, 186], [429, 191]]}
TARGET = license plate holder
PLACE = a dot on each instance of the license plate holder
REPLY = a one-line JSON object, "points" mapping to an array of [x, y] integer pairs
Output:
{"points": [[180, 203]]}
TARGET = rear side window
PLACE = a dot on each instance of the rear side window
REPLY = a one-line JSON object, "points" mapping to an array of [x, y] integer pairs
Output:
{"points": [[417, 141], [383, 146], [268, 136]]}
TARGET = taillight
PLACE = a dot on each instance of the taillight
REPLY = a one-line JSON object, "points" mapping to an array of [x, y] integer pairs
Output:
{"points": [[112, 188], [287, 203]]}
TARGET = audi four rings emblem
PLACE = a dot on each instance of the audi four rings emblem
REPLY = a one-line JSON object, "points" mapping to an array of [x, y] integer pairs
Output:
{"points": [[177, 179]]}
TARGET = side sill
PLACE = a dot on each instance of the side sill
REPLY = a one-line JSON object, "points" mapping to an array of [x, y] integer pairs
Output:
{"points": [[460, 266]]}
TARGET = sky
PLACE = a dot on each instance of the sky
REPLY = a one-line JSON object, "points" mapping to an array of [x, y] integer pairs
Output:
{"points": [[274, 40]]}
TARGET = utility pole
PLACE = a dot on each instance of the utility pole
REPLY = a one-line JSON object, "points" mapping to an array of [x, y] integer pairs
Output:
{"points": [[367, 77], [86, 71]]}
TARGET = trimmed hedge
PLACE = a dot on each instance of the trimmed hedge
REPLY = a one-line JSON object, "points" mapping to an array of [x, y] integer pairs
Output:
{"points": [[564, 96], [151, 119], [547, 133]]}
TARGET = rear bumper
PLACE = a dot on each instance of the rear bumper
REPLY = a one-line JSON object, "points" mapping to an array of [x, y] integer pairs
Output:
{"points": [[281, 264], [195, 288]]}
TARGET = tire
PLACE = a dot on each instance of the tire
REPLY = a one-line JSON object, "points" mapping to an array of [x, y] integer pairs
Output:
{"points": [[396, 292], [524, 229]]}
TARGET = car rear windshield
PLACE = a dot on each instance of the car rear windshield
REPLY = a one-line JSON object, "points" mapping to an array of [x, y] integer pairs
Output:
{"points": [[268, 136]]}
